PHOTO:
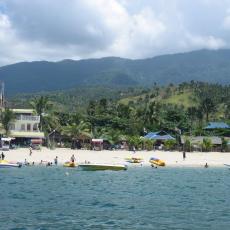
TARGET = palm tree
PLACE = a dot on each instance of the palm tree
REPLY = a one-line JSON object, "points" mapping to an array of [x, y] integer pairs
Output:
{"points": [[208, 106], [76, 131], [41, 105], [7, 116]]}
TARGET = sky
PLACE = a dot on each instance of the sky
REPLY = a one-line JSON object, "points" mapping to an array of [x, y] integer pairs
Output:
{"points": [[33, 30]]}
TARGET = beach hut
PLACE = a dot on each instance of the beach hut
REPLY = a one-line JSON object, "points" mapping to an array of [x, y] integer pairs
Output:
{"points": [[197, 141], [160, 137]]}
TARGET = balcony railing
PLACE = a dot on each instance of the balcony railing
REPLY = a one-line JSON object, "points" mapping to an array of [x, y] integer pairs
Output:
{"points": [[28, 118]]}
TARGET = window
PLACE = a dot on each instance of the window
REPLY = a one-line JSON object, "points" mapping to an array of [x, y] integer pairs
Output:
{"points": [[12, 126], [22, 127], [35, 127], [28, 127]]}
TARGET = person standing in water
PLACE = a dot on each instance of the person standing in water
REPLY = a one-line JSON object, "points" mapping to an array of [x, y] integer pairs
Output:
{"points": [[56, 160], [3, 156], [72, 159]]}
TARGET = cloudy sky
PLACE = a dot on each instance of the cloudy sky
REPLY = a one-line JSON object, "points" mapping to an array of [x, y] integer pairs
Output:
{"points": [[76, 29]]}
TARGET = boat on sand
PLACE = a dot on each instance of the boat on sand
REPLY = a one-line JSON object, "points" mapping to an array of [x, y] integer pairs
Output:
{"points": [[94, 167], [7, 164]]}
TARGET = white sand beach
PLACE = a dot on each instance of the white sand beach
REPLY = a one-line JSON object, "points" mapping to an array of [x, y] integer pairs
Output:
{"points": [[173, 159]]}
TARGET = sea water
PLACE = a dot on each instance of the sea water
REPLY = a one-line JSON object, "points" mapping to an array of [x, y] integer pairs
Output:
{"points": [[139, 198]]}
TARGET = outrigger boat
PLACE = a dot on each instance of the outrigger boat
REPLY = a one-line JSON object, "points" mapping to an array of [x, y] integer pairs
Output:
{"points": [[94, 167], [6, 164], [136, 160], [156, 161]]}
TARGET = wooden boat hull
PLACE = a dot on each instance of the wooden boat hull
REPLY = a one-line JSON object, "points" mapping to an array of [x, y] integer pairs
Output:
{"points": [[95, 167]]}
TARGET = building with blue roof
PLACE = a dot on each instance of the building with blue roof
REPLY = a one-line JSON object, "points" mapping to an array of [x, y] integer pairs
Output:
{"points": [[217, 125], [160, 135]]}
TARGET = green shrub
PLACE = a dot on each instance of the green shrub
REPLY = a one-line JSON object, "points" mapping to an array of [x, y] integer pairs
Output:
{"points": [[206, 145], [224, 146], [169, 144], [148, 144]]}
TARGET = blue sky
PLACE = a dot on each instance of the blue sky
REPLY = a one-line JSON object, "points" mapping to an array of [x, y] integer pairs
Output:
{"points": [[60, 29]]}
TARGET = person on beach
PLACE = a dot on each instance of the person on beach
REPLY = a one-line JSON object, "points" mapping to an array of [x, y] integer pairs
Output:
{"points": [[3, 156], [30, 149], [184, 155], [134, 149], [56, 160], [72, 159], [206, 165]]}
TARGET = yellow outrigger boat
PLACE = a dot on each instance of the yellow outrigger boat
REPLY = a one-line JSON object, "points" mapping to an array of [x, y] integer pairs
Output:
{"points": [[156, 161], [69, 164], [136, 160]]}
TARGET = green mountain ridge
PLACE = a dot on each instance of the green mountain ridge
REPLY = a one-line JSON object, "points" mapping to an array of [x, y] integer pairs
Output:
{"points": [[204, 65]]}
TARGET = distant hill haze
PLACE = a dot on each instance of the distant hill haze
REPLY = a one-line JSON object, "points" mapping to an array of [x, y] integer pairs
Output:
{"points": [[203, 65]]}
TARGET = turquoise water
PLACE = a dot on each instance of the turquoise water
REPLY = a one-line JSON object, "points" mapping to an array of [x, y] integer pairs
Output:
{"points": [[140, 198]]}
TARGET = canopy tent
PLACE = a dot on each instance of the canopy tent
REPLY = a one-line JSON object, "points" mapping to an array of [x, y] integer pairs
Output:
{"points": [[97, 140], [8, 139], [160, 135]]}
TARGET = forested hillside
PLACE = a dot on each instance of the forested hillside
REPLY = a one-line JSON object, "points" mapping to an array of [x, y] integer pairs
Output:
{"points": [[187, 107], [203, 65]]}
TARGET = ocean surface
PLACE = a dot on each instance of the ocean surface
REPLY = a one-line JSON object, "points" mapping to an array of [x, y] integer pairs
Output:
{"points": [[139, 198]]}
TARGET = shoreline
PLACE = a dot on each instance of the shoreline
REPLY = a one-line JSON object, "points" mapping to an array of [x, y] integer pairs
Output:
{"points": [[172, 159]]}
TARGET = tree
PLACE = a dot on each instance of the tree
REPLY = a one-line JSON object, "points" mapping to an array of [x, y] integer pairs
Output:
{"points": [[41, 105], [76, 131], [208, 106], [7, 116]]}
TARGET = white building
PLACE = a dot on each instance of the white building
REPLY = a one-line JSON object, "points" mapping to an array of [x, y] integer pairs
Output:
{"points": [[25, 125]]}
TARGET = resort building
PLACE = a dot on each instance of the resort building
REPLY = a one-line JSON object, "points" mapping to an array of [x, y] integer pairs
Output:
{"points": [[25, 127]]}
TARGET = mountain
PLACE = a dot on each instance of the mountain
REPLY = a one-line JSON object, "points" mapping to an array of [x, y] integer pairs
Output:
{"points": [[203, 65]]}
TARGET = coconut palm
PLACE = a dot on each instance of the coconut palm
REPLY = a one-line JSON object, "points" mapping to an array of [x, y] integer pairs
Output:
{"points": [[7, 116], [77, 130], [41, 105]]}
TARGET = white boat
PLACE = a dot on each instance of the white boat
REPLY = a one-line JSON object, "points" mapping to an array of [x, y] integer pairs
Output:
{"points": [[6, 164], [94, 167], [227, 165]]}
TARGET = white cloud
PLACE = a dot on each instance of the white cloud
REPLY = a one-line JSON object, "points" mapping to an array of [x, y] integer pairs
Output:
{"points": [[54, 30], [208, 42]]}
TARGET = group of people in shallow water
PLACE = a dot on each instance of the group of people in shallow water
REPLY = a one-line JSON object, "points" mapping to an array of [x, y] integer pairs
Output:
{"points": [[55, 162]]}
